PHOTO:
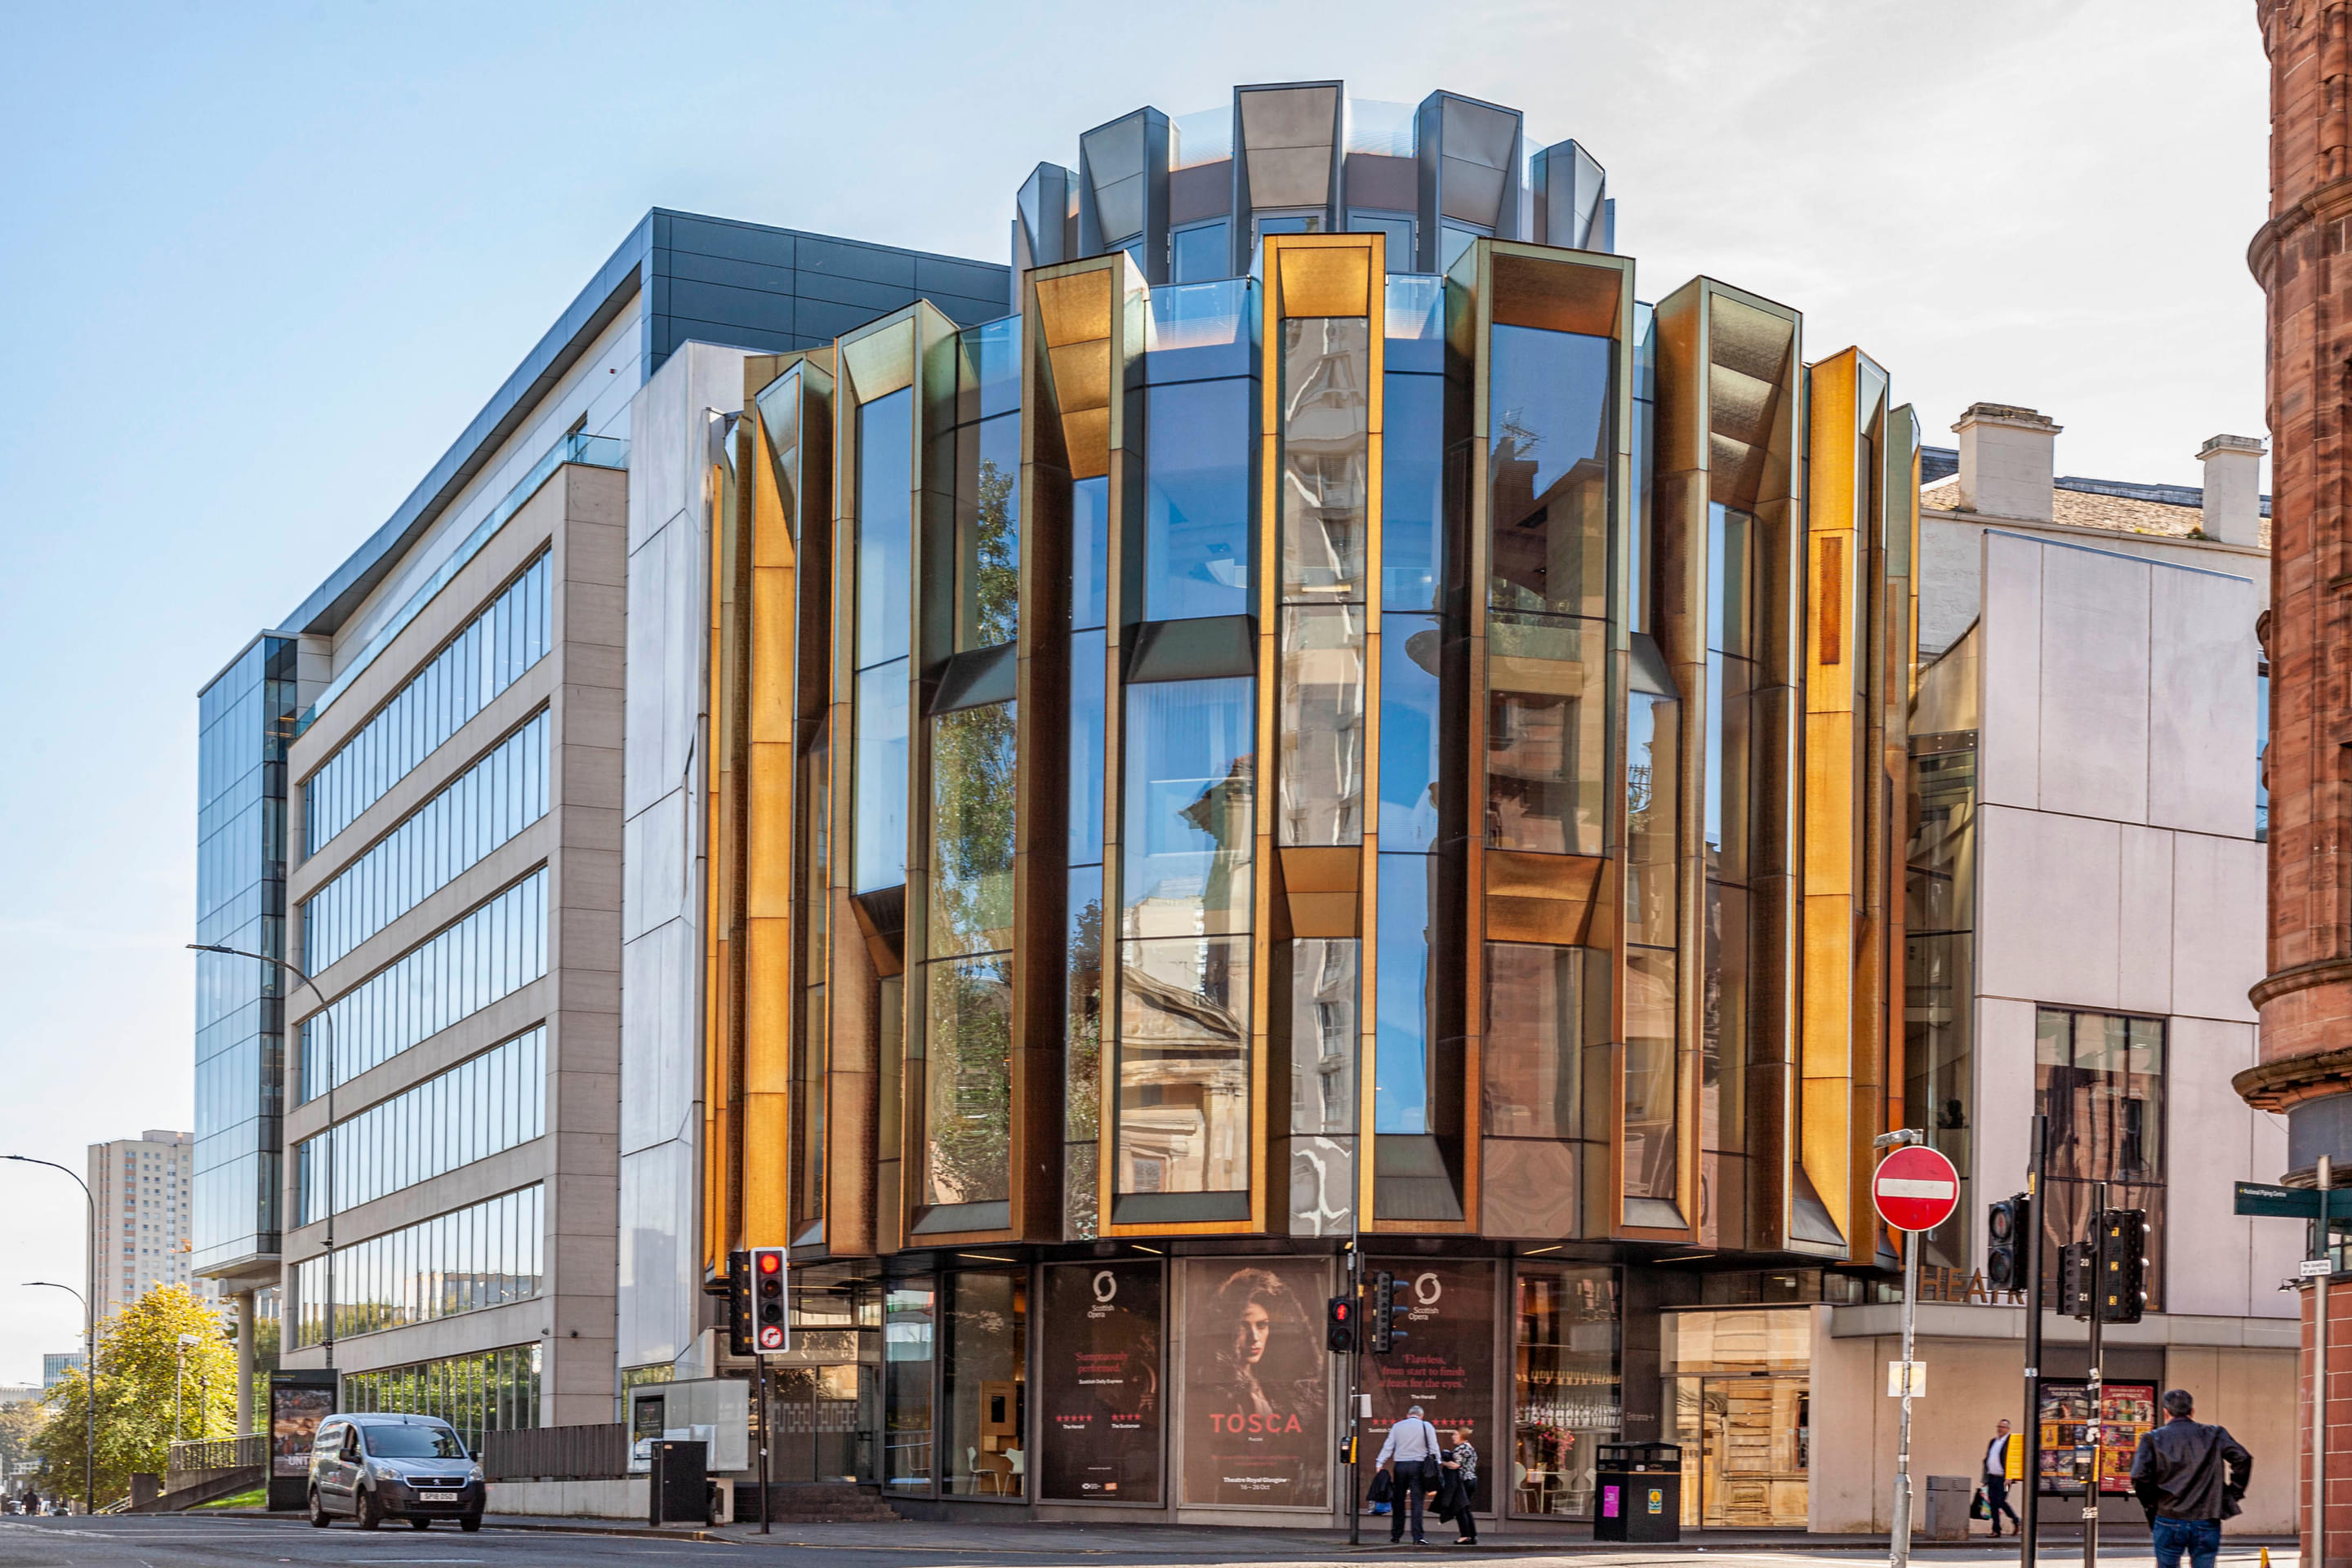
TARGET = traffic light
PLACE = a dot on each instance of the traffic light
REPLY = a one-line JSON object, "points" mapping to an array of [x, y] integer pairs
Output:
{"points": [[1339, 1325], [1379, 1337], [2009, 1225], [2077, 1279], [2122, 1288], [771, 1333], [739, 1303]]}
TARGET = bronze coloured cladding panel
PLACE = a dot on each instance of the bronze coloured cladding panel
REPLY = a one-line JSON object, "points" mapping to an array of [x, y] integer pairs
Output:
{"points": [[1727, 389], [719, 1190], [1545, 619], [1839, 1063], [765, 753]]}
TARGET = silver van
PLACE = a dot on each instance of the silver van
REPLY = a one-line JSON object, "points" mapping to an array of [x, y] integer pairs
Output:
{"points": [[380, 1466]]}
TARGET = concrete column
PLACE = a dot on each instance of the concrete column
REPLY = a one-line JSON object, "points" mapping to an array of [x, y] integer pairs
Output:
{"points": [[245, 1328]]}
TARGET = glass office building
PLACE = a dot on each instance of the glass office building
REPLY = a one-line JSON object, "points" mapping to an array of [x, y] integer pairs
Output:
{"points": [[1341, 723]]}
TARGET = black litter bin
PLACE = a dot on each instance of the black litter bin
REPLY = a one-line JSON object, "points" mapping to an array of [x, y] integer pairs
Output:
{"points": [[680, 1493], [1638, 1493]]}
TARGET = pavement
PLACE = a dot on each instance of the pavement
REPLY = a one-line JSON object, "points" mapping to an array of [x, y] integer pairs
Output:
{"points": [[229, 1537]]}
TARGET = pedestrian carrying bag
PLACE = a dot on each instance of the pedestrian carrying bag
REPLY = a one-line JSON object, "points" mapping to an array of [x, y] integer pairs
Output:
{"points": [[1977, 1507]]}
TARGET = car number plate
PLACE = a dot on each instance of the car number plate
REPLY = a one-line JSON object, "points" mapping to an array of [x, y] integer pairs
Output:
{"points": [[437, 1497]]}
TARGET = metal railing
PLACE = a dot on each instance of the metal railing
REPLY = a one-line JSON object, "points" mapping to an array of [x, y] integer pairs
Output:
{"points": [[557, 1453], [219, 1453], [592, 451]]}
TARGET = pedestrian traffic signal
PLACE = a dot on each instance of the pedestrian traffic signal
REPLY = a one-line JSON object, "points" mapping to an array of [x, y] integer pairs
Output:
{"points": [[2008, 1225], [2121, 1287], [771, 1333], [1381, 1323], [2077, 1279], [1339, 1325], [739, 1303]]}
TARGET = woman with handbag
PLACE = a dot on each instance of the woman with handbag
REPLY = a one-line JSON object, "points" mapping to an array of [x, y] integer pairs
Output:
{"points": [[1460, 1468]]}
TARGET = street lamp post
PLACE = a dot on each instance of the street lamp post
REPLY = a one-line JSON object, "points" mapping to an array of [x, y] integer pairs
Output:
{"points": [[89, 1394], [326, 1021], [88, 1297]]}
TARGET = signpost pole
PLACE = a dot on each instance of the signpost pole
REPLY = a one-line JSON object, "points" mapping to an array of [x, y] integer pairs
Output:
{"points": [[2091, 1428], [1355, 1400], [2032, 1481], [1900, 1547], [767, 1414], [2318, 1558]]}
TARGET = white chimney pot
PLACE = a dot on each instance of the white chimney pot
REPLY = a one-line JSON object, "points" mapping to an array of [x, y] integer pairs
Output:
{"points": [[2008, 461], [2233, 488]]}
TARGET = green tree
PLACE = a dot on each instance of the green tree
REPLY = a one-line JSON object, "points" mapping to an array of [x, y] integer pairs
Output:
{"points": [[20, 1426], [138, 1365]]}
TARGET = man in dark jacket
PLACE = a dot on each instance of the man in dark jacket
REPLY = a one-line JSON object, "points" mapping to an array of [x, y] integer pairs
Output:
{"points": [[2176, 1474]]}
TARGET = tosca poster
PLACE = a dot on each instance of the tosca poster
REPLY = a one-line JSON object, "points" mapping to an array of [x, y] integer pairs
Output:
{"points": [[1256, 1409], [1102, 1382], [1443, 1359]]}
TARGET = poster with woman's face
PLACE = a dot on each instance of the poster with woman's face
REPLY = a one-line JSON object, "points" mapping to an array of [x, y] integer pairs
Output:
{"points": [[295, 1412], [1102, 1382], [1257, 1411]]}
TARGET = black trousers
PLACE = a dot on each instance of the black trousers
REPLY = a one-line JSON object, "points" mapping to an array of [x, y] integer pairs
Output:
{"points": [[1466, 1520], [1996, 1489], [1414, 1478]]}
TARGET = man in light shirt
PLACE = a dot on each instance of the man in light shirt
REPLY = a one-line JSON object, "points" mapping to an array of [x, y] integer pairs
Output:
{"points": [[1996, 1482], [1413, 1449]]}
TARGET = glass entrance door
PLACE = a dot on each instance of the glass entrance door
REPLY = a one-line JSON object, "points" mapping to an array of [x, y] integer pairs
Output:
{"points": [[1746, 1445]]}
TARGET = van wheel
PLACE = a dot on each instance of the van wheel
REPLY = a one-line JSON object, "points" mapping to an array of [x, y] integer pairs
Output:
{"points": [[318, 1520], [470, 1523], [420, 1524], [369, 1511]]}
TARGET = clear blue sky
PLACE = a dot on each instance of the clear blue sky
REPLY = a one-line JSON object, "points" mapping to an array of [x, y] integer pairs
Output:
{"points": [[260, 263]]}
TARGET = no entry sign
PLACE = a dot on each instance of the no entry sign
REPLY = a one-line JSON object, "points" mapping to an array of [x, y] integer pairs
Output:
{"points": [[1915, 1189]]}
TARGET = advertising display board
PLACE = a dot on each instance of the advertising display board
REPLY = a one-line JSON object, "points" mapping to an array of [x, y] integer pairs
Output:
{"points": [[299, 1401], [1101, 1383], [1444, 1360], [1257, 1408], [2127, 1412]]}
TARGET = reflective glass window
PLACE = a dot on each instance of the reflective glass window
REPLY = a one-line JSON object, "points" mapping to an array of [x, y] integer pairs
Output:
{"points": [[1196, 544], [483, 1256], [492, 1391], [1547, 734], [1324, 1028], [879, 831], [512, 633], [1416, 325], [1652, 1155], [1190, 785], [479, 810], [1566, 1397], [885, 434], [1535, 1041], [968, 1082], [1326, 447], [1401, 1093], [1183, 1065], [483, 1105], [1320, 726], [494, 950], [1413, 497], [1652, 745], [907, 1312], [972, 763], [988, 531], [1396, 226], [1089, 719], [1090, 553], [1550, 472], [1452, 240], [1199, 253], [2100, 1079], [1410, 650], [1082, 1056], [1194, 330]]}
